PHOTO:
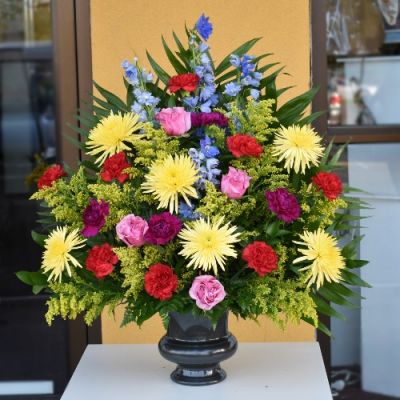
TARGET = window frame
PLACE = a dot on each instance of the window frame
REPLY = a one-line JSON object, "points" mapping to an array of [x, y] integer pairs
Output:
{"points": [[343, 133], [73, 83]]}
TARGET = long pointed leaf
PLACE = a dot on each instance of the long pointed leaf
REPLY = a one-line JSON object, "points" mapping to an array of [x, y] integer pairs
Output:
{"points": [[183, 54], [111, 98], [354, 279], [164, 77], [179, 68]]}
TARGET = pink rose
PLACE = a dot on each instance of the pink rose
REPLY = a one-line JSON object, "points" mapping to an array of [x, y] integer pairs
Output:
{"points": [[175, 121], [207, 291], [235, 183], [131, 230]]}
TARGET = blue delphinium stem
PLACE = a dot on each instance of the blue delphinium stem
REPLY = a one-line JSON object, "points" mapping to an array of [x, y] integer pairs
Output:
{"points": [[145, 103]]}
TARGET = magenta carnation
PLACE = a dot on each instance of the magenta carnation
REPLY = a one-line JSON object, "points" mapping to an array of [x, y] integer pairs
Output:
{"points": [[162, 228], [94, 217], [204, 119], [283, 204]]}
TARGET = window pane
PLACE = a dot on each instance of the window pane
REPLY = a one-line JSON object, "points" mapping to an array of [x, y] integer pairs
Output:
{"points": [[363, 44]]}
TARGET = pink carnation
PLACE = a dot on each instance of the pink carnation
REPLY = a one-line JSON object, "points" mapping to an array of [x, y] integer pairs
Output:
{"points": [[207, 291], [131, 230], [175, 121], [235, 183]]}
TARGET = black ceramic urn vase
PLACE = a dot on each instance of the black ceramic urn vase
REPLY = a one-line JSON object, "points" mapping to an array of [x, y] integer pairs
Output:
{"points": [[198, 348]]}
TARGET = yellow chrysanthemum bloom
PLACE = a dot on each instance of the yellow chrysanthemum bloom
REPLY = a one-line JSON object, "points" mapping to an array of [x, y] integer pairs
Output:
{"points": [[113, 134], [299, 146], [208, 244], [322, 250], [171, 178], [57, 256]]}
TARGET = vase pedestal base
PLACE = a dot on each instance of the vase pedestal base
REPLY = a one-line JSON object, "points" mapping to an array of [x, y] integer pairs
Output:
{"points": [[207, 375]]}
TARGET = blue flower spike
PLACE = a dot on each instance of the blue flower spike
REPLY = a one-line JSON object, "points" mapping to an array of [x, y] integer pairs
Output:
{"points": [[204, 27]]}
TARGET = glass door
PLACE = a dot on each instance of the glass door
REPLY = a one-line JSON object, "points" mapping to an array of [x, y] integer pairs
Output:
{"points": [[33, 357]]}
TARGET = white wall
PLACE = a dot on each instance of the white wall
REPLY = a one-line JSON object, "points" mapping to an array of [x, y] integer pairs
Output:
{"points": [[376, 169]]}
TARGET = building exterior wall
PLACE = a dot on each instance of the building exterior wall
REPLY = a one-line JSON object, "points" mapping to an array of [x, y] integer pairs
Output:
{"points": [[126, 28]]}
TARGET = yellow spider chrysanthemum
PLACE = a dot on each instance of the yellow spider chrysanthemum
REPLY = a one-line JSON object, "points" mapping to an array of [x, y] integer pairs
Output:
{"points": [[208, 244], [171, 178], [113, 134], [57, 256], [322, 250], [299, 146]]}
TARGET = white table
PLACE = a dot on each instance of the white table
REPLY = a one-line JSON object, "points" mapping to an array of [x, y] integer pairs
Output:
{"points": [[275, 371]]}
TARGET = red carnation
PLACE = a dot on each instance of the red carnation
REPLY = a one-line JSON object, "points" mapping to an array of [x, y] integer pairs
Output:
{"points": [[113, 168], [260, 257], [50, 175], [101, 260], [186, 82], [244, 145], [329, 183], [160, 281]]}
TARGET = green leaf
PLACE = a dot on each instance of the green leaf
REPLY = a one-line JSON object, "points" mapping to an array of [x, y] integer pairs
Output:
{"points": [[183, 53], [100, 112], [86, 120], [111, 98], [324, 308], [164, 77], [279, 92], [105, 104], [327, 152], [267, 67], [79, 130], [171, 101], [332, 296], [324, 329], [356, 263], [36, 289], [130, 97], [342, 290], [321, 327], [35, 278], [38, 238], [311, 118], [337, 155], [179, 68], [76, 143], [292, 110], [349, 251], [244, 48], [354, 279]]}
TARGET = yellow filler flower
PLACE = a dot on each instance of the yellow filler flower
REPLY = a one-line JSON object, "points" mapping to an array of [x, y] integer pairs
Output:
{"points": [[171, 178], [57, 256], [208, 244], [299, 146], [322, 250], [113, 134]]}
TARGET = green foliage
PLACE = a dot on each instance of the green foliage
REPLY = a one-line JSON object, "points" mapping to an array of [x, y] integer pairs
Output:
{"points": [[281, 300], [81, 295], [37, 280]]}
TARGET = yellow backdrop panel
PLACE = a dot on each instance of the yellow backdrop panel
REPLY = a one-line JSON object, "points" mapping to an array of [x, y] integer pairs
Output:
{"points": [[123, 29]]}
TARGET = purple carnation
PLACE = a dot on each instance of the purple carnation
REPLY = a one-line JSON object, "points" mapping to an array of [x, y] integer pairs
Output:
{"points": [[212, 118], [94, 217], [162, 228], [283, 204]]}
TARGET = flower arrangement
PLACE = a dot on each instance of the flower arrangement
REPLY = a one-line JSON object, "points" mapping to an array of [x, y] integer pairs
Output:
{"points": [[201, 194]]}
